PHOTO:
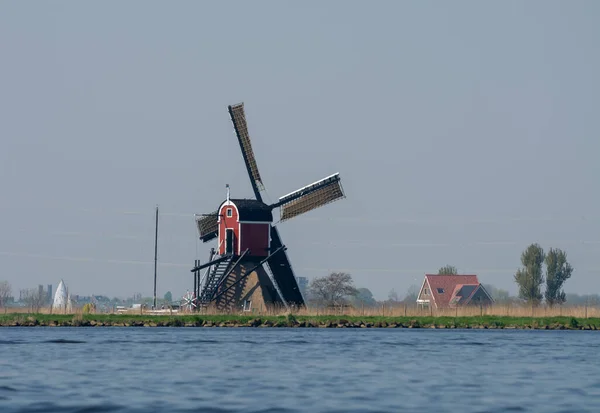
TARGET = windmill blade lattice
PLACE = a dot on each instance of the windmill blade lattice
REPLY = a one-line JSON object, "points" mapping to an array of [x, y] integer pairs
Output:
{"points": [[207, 226], [311, 197], [238, 117]]}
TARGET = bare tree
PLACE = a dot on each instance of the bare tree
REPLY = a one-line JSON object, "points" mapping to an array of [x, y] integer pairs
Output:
{"points": [[34, 298], [393, 296], [412, 294], [333, 289], [5, 293]]}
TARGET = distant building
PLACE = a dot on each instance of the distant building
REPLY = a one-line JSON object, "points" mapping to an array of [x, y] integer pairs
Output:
{"points": [[303, 285], [451, 291]]}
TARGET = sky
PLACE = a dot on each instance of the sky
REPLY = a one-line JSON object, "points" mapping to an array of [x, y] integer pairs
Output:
{"points": [[463, 131]]}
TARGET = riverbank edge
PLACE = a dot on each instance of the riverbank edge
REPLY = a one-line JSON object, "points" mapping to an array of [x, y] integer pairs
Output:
{"points": [[297, 321]]}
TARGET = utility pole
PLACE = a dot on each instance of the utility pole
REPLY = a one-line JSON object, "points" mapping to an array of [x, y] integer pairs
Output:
{"points": [[155, 254]]}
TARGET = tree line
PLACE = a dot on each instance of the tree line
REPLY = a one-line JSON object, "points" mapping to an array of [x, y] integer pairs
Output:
{"points": [[539, 269], [337, 289]]}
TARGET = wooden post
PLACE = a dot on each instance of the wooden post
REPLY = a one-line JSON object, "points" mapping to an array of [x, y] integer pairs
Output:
{"points": [[155, 254], [404, 309]]}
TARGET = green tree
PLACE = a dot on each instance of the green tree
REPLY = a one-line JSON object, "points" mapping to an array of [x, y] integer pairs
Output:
{"points": [[168, 297], [499, 295], [448, 270], [558, 270], [364, 296], [530, 278]]}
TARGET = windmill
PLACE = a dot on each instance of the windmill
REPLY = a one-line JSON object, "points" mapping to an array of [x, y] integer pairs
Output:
{"points": [[188, 302], [250, 263]]}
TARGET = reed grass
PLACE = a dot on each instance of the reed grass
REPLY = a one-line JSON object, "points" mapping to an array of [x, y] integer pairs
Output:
{"points": [[385, 310]]}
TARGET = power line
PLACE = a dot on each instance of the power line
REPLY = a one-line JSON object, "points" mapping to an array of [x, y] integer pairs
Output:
{"points": [[89, 259], [345, 243], [352, 219], [307, 269]]}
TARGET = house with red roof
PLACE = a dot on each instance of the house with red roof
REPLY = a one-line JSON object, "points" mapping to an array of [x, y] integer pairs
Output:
{"points": [[451, 291]]}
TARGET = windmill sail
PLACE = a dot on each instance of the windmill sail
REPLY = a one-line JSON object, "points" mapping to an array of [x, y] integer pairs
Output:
{"points": [[238, 117], [207, 226], [310, 197]]}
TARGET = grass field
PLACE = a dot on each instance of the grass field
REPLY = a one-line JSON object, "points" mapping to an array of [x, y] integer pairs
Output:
{"points": [[301, 321]]}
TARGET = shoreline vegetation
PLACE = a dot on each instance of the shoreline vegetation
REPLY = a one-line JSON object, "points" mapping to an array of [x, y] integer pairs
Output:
{"points": [[297, 321]]}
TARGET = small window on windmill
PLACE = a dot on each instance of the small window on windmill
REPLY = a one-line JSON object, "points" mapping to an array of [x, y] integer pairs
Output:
{"points": [[440, 291], [229, 212], [247, 305]]}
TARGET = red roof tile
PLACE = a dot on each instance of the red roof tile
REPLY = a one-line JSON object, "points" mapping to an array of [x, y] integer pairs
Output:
{"points": [[447, 284]]}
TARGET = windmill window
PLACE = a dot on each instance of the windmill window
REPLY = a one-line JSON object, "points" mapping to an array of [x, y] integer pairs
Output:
{"points": [[425, 291], [440, 291], [247, 305], [229, 212]]}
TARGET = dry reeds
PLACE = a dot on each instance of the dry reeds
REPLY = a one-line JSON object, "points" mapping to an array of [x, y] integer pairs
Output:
{"points": [[384, 310], [401, 310]]}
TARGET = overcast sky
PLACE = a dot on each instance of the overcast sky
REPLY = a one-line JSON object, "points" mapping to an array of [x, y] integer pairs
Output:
{"points": [[463, 132]]}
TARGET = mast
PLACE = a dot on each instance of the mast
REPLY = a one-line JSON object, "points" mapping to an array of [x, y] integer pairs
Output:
{"points": [[155, 254]]}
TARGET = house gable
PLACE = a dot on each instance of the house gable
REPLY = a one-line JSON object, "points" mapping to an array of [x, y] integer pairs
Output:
{"points": [[479, 297], [425, 296]]}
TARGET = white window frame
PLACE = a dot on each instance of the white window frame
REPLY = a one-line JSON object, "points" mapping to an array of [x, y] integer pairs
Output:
{"points": [[229, 212]]}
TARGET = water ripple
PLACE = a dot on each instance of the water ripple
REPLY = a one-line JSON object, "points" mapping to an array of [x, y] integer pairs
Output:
{"points": [[296, 370]]}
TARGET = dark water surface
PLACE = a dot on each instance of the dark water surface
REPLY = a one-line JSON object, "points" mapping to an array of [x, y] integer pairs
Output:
{"points": [[297, 370]]}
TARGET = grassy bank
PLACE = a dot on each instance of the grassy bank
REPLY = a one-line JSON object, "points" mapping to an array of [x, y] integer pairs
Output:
{"points": [[130, 320]]}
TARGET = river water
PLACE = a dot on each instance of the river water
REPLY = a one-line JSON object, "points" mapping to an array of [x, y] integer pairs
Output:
{"points": [[297, 370]]}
